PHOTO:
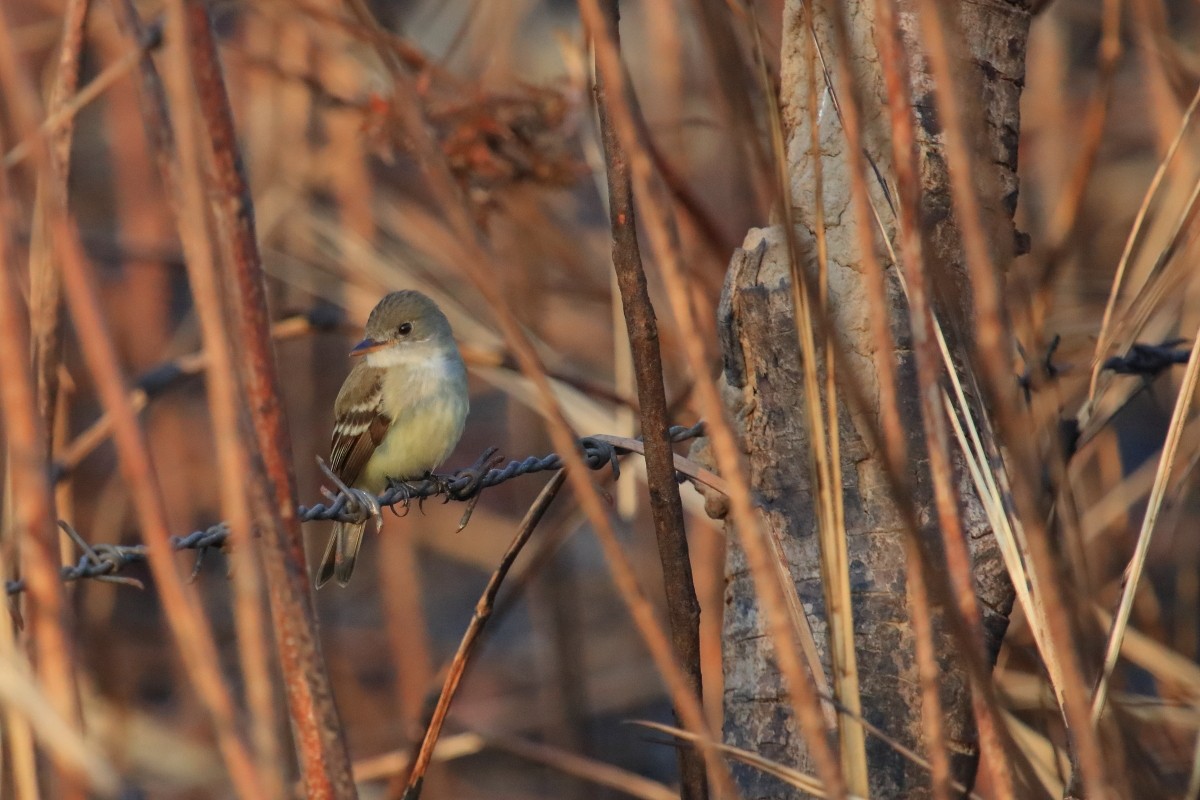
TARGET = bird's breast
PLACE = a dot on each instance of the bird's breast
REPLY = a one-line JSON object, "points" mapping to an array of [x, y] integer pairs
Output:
{"points": [[428, 405]]}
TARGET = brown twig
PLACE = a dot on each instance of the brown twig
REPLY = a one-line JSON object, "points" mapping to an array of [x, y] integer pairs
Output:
{"points": [[188, 197], [929, 371], [483, 611], [666, 507], [32, 511], [322, 751], [30, 397], [180, 605]]}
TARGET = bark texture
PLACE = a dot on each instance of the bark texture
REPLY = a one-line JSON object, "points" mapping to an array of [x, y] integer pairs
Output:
{"points": [[763, 389]]}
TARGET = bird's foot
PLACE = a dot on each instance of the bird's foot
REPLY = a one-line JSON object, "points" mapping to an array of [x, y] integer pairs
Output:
{"points": [[404, 495], [441, 484]]}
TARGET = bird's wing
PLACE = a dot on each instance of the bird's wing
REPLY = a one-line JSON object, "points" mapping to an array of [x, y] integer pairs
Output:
{"points": [[359, 422]]}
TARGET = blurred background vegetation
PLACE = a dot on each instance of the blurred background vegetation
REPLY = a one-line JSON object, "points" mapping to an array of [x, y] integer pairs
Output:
{"points": [[343, 218]]}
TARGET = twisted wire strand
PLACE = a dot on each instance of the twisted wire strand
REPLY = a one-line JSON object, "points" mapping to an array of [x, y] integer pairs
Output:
{"points": [[105, 561]]}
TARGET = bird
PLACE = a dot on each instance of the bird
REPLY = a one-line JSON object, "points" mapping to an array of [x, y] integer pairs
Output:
{"points": [[400, 412]]}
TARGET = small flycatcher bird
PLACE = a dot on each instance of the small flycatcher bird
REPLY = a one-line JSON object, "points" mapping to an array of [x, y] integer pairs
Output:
{"points": [[400, 412]]}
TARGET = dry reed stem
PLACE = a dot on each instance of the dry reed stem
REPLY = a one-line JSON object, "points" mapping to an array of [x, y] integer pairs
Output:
{"points": [[319, 738], [29, 505], [821, 409], [928, 362], [1137, 563], [666, 508], [891, 428], [179, 601], [725, 447], [321, 751], [993, 348], [180, 605], [188, 197], [45, 291], [480, 269], [483, 612], [28, 427]]}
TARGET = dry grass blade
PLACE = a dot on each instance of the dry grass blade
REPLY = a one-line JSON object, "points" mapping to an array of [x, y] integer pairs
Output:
{"points": [[1166, 665], [992, 346], [588, 769], [181, 608], [318, 735], [29, 500], [825, 456], [928, 368], [791, 777], [224, 399]]}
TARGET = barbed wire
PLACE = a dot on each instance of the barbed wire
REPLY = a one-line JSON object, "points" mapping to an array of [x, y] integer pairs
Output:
{"points": [[1149, 360], [104, 562]]}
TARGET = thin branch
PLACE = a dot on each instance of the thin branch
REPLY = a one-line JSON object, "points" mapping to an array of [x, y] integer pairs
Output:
{"points": [[32, 502], [666, 507], [188, 194], [483, 611], [319, 735]]}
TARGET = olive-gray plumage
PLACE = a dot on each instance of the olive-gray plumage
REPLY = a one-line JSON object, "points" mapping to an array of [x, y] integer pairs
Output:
{"points": [[400, 413]]}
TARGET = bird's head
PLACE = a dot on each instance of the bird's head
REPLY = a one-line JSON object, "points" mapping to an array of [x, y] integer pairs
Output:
{"points": [[403, 323]]}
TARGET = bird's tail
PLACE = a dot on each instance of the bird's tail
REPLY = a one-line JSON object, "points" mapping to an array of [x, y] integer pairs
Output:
{"points": [[341, 553]]}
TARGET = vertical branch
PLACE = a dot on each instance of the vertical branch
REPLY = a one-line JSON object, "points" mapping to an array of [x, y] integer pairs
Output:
{"points": [[30, 397], [683, 609], [180, 604], [45, 295], [224, 401], [323, 755], [32, 506]]}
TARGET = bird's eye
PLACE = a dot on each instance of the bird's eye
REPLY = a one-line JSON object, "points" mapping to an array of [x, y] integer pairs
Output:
{"points": [[406, 329]]}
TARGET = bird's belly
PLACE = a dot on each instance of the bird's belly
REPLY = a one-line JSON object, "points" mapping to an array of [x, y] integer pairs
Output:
{"points": [[419, 441]]}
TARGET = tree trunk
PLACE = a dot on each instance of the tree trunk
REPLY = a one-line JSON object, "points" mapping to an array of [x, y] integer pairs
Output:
{"points": [[764, 393]]}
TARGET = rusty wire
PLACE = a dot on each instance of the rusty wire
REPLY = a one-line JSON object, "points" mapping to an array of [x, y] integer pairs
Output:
{"points": [[104, 561]]}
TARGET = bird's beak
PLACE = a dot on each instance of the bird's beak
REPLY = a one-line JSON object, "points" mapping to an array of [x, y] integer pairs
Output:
{"points": [[366, 346]]}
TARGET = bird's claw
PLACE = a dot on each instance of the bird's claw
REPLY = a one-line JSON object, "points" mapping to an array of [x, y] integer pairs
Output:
{"points": [[405, 490]]}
